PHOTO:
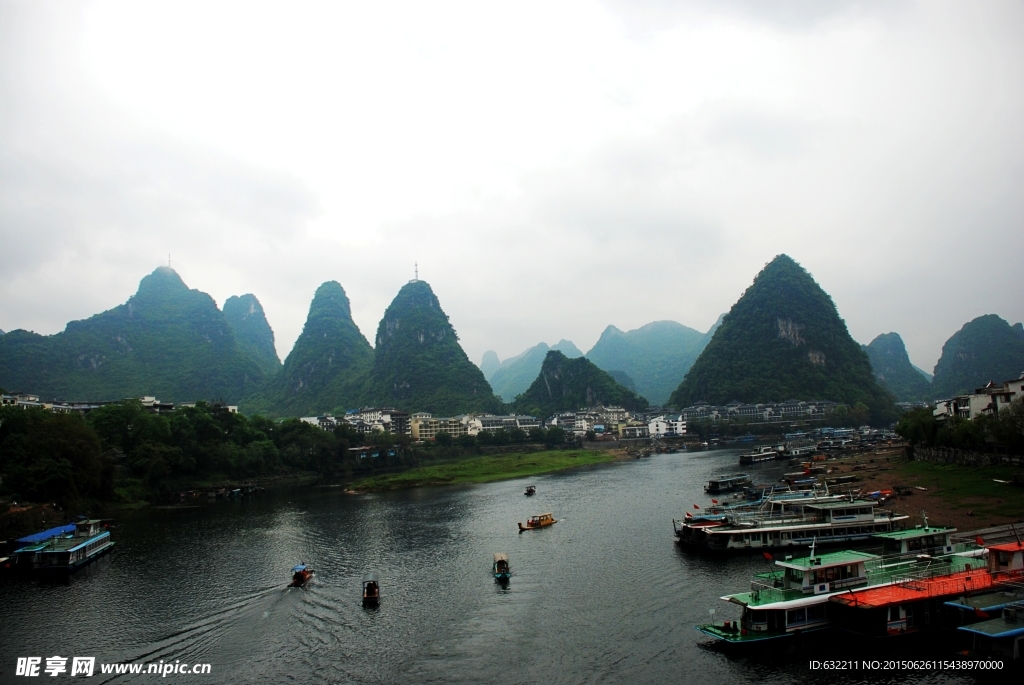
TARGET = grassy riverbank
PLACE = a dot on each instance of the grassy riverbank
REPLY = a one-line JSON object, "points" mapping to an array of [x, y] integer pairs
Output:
{"points": [[485, 469], [967, 497]]}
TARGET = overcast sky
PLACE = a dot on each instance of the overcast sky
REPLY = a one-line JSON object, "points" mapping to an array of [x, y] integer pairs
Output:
{"points": [[554, 167]]}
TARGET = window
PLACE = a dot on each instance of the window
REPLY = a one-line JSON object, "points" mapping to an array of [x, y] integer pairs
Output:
{"points": [[796, 616]]}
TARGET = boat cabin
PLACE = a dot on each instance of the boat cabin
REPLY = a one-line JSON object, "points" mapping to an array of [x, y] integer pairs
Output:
{"points": [[371, 589], [541, 519], [530, 490], [1006, 557], [917, 540], [501, 568], [727, 483], [67, 550], [822, 573]]}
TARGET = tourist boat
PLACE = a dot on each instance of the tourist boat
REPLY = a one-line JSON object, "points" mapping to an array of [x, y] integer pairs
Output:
{"points": [[301, 575], [371, 590], [501, 569], [538, 521], [65, 548], [762, 453], [689, 529], [727, 483], [919, 602], [798, 523], [796, 599], [531, 490]]}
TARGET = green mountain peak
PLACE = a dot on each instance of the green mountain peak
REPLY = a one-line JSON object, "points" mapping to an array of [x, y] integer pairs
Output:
{"points": [[565, 384], [328, 364], [252, 331], [784, 339], [892, 368], [984, 349], [418, 362], [166, 340]]}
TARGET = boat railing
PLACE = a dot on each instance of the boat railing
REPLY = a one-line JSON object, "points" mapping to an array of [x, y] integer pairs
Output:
{"points": [[761, 593]]}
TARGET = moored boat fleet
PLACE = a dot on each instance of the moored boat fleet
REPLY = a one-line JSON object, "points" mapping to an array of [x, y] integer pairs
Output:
{"points": [[914, 579]]}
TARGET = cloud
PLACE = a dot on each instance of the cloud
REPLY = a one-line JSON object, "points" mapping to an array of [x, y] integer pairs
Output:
{"points": [[552, 170]]}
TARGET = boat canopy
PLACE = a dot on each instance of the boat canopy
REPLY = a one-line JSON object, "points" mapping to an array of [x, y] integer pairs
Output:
{"points": [[370, 578], [300, 567], [47, 534], [500, 556]]}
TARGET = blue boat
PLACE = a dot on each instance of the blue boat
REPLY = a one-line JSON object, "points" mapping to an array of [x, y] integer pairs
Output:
{"points": [[65, 548]]}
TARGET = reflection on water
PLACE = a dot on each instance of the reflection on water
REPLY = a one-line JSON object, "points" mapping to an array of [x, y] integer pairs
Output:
{"points": [[604, 595]]}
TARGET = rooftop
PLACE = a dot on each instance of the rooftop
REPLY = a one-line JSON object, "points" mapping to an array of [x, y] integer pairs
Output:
{"points": [[914, 532], [827, 560], [1004, 626], [951, 584]]}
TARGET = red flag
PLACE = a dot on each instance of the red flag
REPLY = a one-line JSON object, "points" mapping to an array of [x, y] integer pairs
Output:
{"points": [[696, 507], [980, 614], [768, 557], [980, 540], [714, 501]]}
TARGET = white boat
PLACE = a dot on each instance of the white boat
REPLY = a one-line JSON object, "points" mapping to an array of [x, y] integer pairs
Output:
{"points": [[793, 524]]}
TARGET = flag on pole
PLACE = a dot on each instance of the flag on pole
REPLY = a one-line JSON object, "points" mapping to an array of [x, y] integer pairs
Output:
{"points": [[696, 506], [980, 540], [767, 556], [714, 501]]}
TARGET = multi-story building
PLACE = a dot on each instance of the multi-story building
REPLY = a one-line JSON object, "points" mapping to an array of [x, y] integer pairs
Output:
{"points": [[989, 400], [424, 426], [476, 424]]}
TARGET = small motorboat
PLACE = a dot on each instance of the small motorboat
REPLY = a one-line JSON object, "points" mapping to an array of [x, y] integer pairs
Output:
{"points": [[301, 575], [371, 590], [502, 571], [530, 490], [538, 521]]}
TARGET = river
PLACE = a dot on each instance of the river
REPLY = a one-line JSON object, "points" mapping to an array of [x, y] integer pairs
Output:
{"points": [[603, 596]]}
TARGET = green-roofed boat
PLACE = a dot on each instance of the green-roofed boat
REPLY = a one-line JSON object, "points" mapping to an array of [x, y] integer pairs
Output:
{"points": [[792, 599]]}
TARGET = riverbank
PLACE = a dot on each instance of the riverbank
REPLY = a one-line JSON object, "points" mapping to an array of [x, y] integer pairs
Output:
{"points": [[967, 497], [486, 469]]}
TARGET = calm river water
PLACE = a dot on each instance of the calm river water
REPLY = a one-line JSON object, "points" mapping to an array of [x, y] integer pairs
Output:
{"points": [[603, 596]]}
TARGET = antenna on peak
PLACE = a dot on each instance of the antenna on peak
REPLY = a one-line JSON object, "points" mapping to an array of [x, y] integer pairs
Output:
{"points": [[416, 267], [168, 260]]}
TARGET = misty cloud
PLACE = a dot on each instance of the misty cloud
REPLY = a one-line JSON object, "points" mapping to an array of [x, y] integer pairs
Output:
{"points": [[552, 170]]}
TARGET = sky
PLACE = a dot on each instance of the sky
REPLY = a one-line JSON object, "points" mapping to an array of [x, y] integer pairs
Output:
{"points": [[553, 168]]}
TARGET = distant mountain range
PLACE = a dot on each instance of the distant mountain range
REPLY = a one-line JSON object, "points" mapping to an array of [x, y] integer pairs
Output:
{"points": [[166, 340], [514, 375], [783, 339], [565, 383], [656, 356]]}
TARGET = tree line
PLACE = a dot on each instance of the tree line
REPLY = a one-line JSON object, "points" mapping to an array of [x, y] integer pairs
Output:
{"points": [[123, 453], [984, 433]]}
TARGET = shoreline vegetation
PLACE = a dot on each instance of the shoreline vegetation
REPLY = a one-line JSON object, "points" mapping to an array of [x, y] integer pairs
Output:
{"points": [[485, 469]]}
